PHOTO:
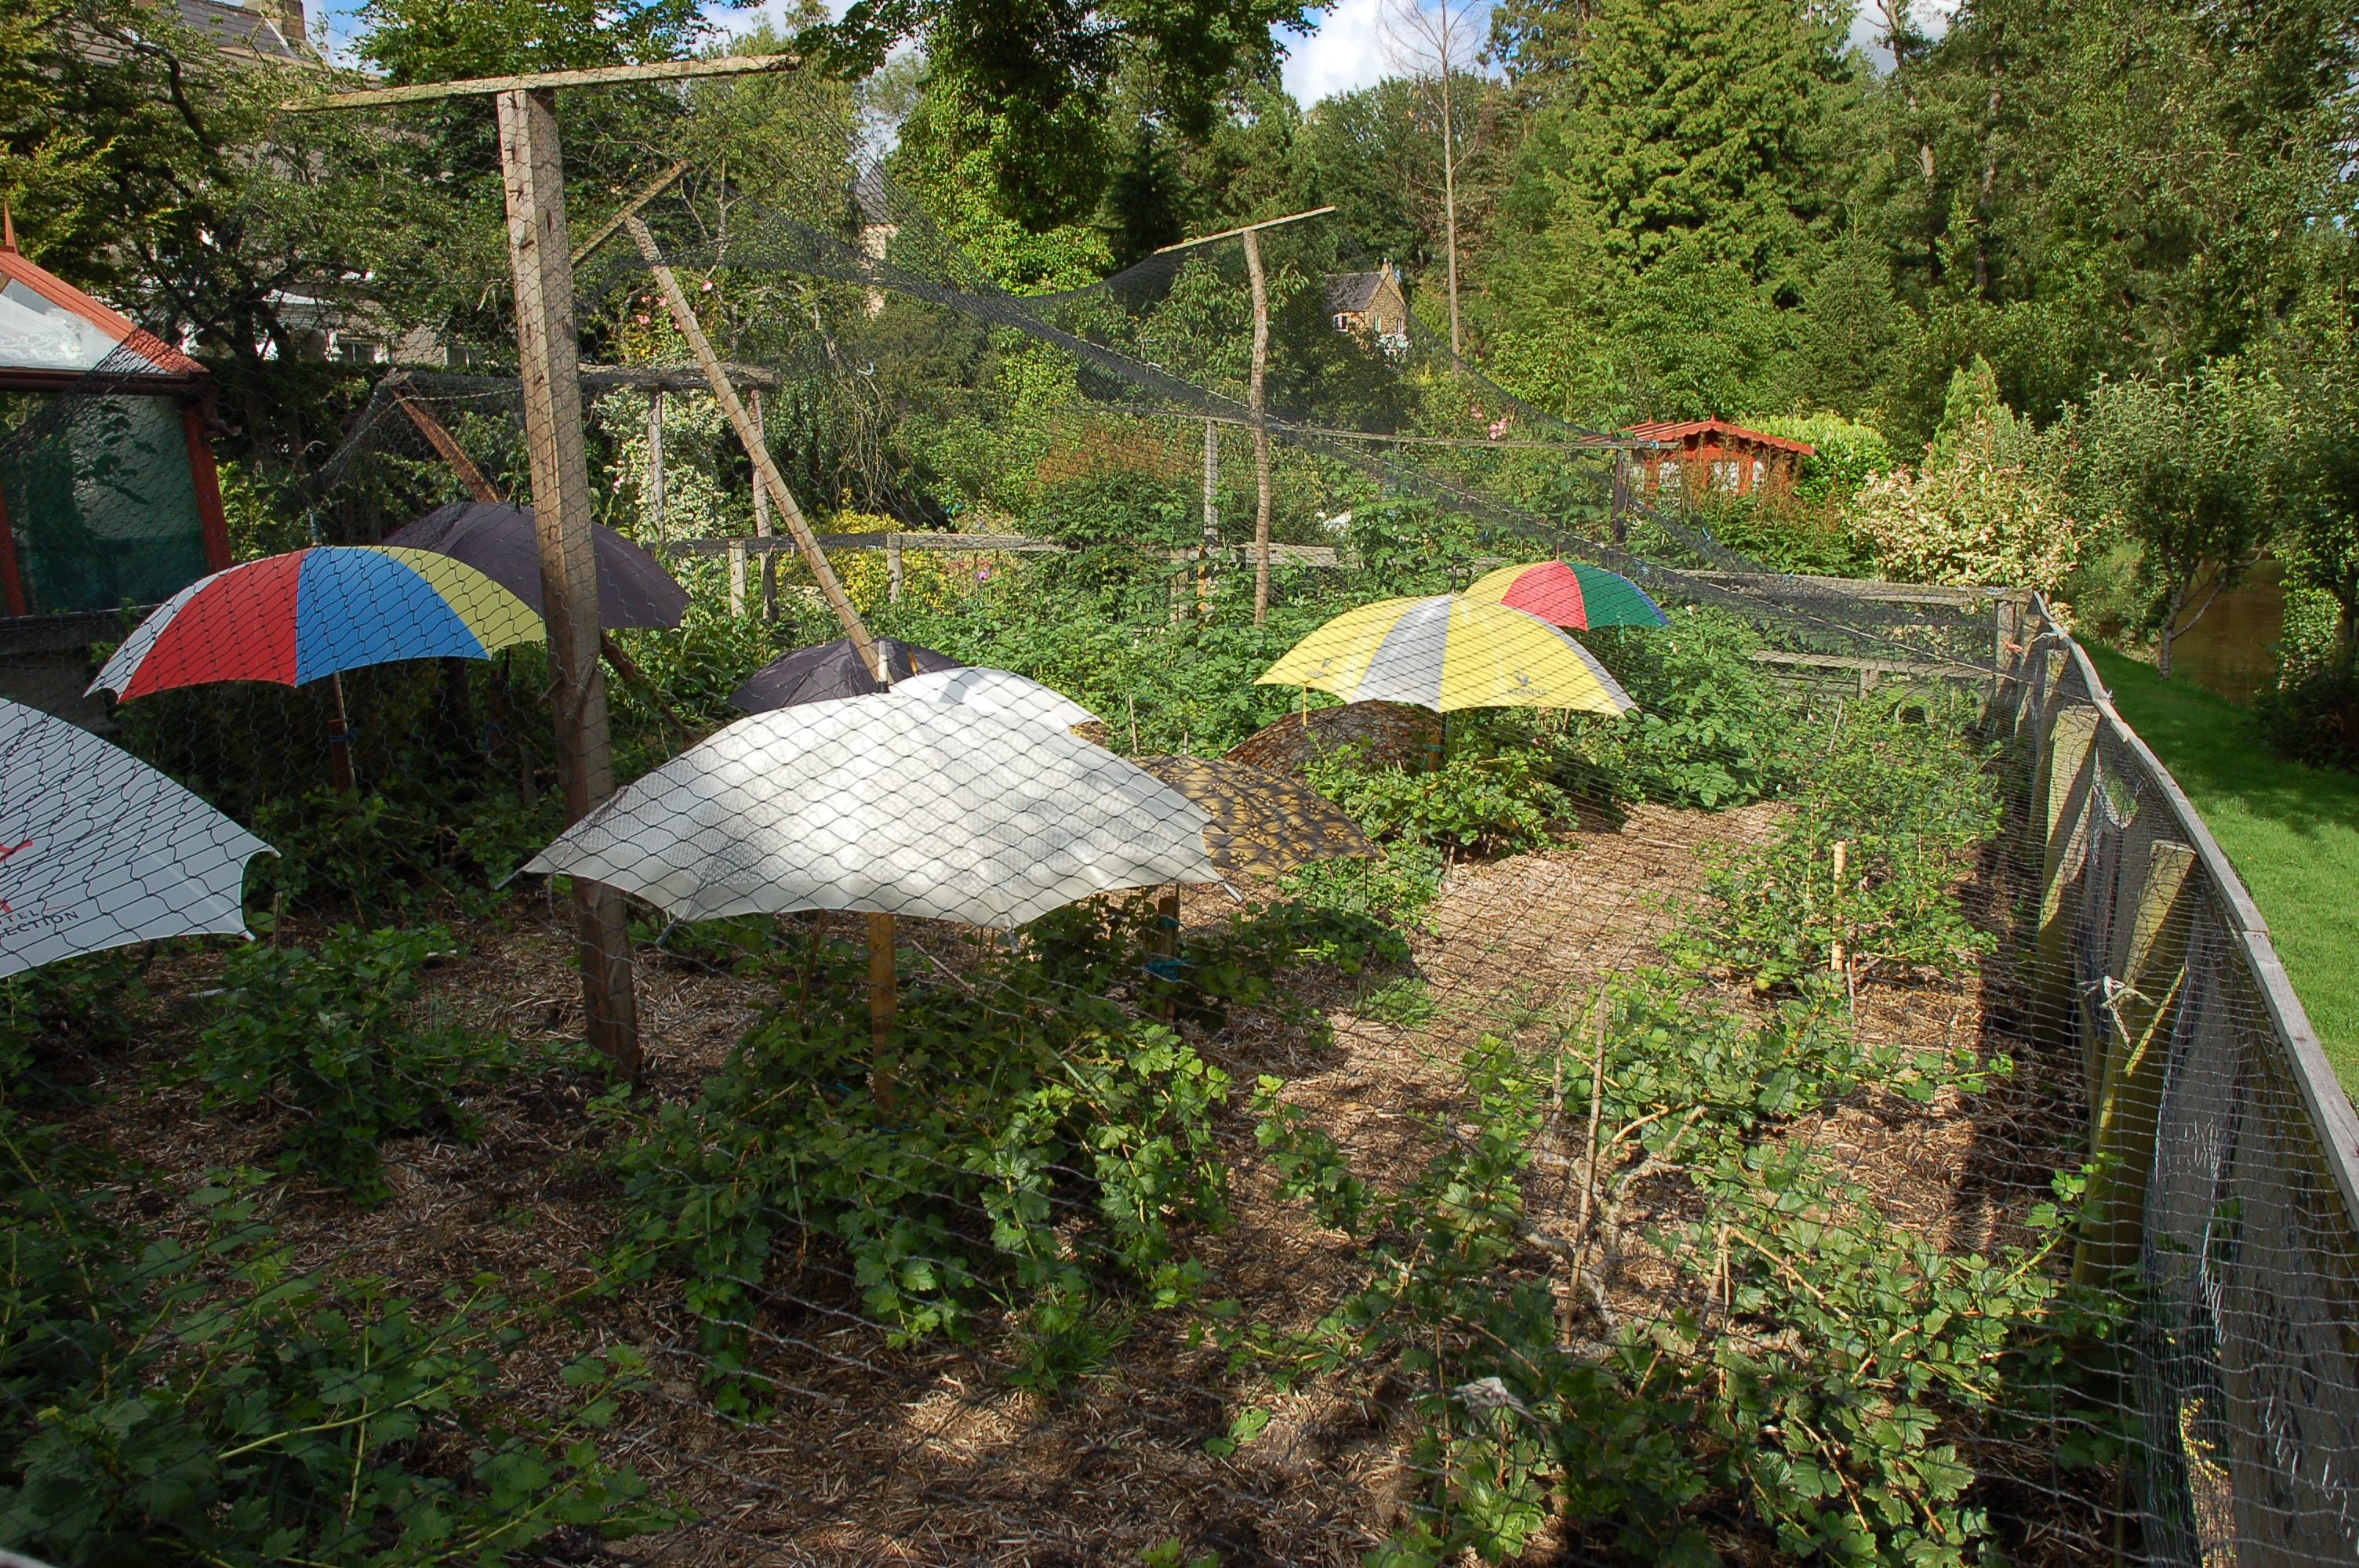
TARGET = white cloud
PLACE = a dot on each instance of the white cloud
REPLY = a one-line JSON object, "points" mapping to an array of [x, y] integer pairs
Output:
{"points": [[1344, 55]]}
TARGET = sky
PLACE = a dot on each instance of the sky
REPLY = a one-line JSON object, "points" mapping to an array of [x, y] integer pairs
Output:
{"points": [[1346, 53]]}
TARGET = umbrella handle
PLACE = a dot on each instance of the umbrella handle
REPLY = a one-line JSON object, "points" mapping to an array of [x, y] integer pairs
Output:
{"points": [[340, 740]]}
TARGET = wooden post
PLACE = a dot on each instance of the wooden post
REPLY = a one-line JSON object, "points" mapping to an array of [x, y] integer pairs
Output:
{"points": [[656, 466], [445, 444], [206, 479], [2155, 920], [12, 581], [736, 579], [2059, 814], [1256, 389], [1212, 521], [892, 568], [762, 513], [765, 471], [882, 1002], [548, 356], [1835, 961]]}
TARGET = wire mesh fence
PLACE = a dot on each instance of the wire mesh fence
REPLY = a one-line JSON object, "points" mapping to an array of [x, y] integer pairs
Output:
{"points": [[1146, 1059]]}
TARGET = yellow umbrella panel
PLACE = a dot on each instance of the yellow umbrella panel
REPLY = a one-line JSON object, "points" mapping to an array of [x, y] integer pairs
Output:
{"points": [[1447, 653]]}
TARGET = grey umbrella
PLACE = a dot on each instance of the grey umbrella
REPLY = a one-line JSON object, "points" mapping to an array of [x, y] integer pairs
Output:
{"points": [[498, 541]]}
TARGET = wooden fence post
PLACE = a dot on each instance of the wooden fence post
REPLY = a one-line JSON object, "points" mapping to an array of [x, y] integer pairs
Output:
{"points": [[2060, 808], [548, 356], [2154, 921]]}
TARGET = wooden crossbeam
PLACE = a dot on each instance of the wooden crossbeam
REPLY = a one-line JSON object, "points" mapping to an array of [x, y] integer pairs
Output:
{"points": [[543, 80], [1245, 229]]}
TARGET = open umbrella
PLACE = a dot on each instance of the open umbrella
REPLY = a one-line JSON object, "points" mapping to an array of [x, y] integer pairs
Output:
{"points": [[1447, 653], [886, 804], [832, 670], [891, 804], [299, 617], [1563, 594], [499, 541], [1003, 692], [1264, 825], [98, 850]]}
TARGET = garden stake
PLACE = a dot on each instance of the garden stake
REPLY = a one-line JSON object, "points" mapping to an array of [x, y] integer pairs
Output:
{"points": [[1836, 963], [881, 998]]}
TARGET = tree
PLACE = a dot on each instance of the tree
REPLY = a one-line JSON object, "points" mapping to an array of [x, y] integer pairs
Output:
{"points": [[2318, 481], [1438, 44], [2179, 466], [1032, 84], [1712, 122]]}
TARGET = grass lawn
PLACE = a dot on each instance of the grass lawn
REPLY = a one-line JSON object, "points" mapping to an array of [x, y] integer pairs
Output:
{"points": [[2293, 833]]}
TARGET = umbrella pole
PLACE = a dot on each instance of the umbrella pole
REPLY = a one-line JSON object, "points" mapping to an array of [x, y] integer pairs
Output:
{"points": [[1167, 940], [881, 1000], [340, 740]]}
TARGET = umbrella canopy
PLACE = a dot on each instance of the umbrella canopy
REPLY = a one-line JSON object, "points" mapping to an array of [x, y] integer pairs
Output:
{"points": [[306, 614], [1447, 653], [499, 541], [832, 670], [1263, 824], [1566, 595], [1002, 692], [890, 804], [98, 850]]}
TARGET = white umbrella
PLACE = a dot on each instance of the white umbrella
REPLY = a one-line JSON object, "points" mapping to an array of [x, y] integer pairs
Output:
{"points": [[889, 804], [98, 850], [997, 691]]}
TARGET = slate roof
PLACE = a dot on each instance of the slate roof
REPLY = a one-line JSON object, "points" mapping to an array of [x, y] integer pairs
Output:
{"points": [[232, 27], [1354, 291]]}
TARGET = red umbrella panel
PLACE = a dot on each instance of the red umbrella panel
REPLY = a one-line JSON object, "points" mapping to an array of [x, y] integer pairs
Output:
{"points": [[300, 616], [1563, 594]]}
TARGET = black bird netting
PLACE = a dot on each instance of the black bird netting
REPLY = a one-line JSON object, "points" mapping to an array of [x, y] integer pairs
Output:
{"points": [[1235, 1044]]}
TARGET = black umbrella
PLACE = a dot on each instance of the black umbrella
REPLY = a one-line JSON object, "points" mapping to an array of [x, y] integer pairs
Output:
{"points": [[832, 670], [498, 541]]}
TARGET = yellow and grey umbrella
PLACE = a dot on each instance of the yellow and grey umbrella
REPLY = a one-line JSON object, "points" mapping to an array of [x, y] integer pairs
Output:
{"points": [[1447, 653]]}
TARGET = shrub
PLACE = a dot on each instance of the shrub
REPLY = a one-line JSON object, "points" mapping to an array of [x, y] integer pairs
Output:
{"points": [[1499, 803], [1024, 1142], [1712, 729], [1910, 802], [2312, 716], [334, 1041], [164, 1402], [1830, 1431], [1399, 885]]}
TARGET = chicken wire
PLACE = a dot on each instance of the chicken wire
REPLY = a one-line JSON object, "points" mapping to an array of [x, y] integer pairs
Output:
{"points": [[1666, 1175]]}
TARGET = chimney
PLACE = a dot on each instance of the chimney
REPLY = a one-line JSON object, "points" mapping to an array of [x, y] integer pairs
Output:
{"points": [[289, 15]]}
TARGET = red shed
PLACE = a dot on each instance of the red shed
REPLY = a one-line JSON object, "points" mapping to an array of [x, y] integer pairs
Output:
{"points": [[1713, 454]]}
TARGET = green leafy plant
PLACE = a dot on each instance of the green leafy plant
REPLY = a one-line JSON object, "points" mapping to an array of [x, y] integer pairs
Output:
{"points": [[1024, 1141], [1499, 803], [1910, 803], [172, 1401], [1712, 729], [1811, 1372], [334, 1043]]}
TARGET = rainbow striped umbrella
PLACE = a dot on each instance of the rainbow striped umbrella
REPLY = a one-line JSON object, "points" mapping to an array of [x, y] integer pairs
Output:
{"points": [[308, 614], [1566, 595], [1447, 653]]}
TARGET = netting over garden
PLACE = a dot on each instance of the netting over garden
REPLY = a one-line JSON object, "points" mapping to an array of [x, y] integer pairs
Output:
{"points": [[1492, 1025]]}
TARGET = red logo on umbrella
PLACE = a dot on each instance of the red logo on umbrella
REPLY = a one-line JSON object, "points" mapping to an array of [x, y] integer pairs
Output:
{"points": [[3, 856]]}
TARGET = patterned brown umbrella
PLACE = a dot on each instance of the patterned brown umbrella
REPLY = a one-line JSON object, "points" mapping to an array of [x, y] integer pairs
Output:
{"points": [[1263, 824]]}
